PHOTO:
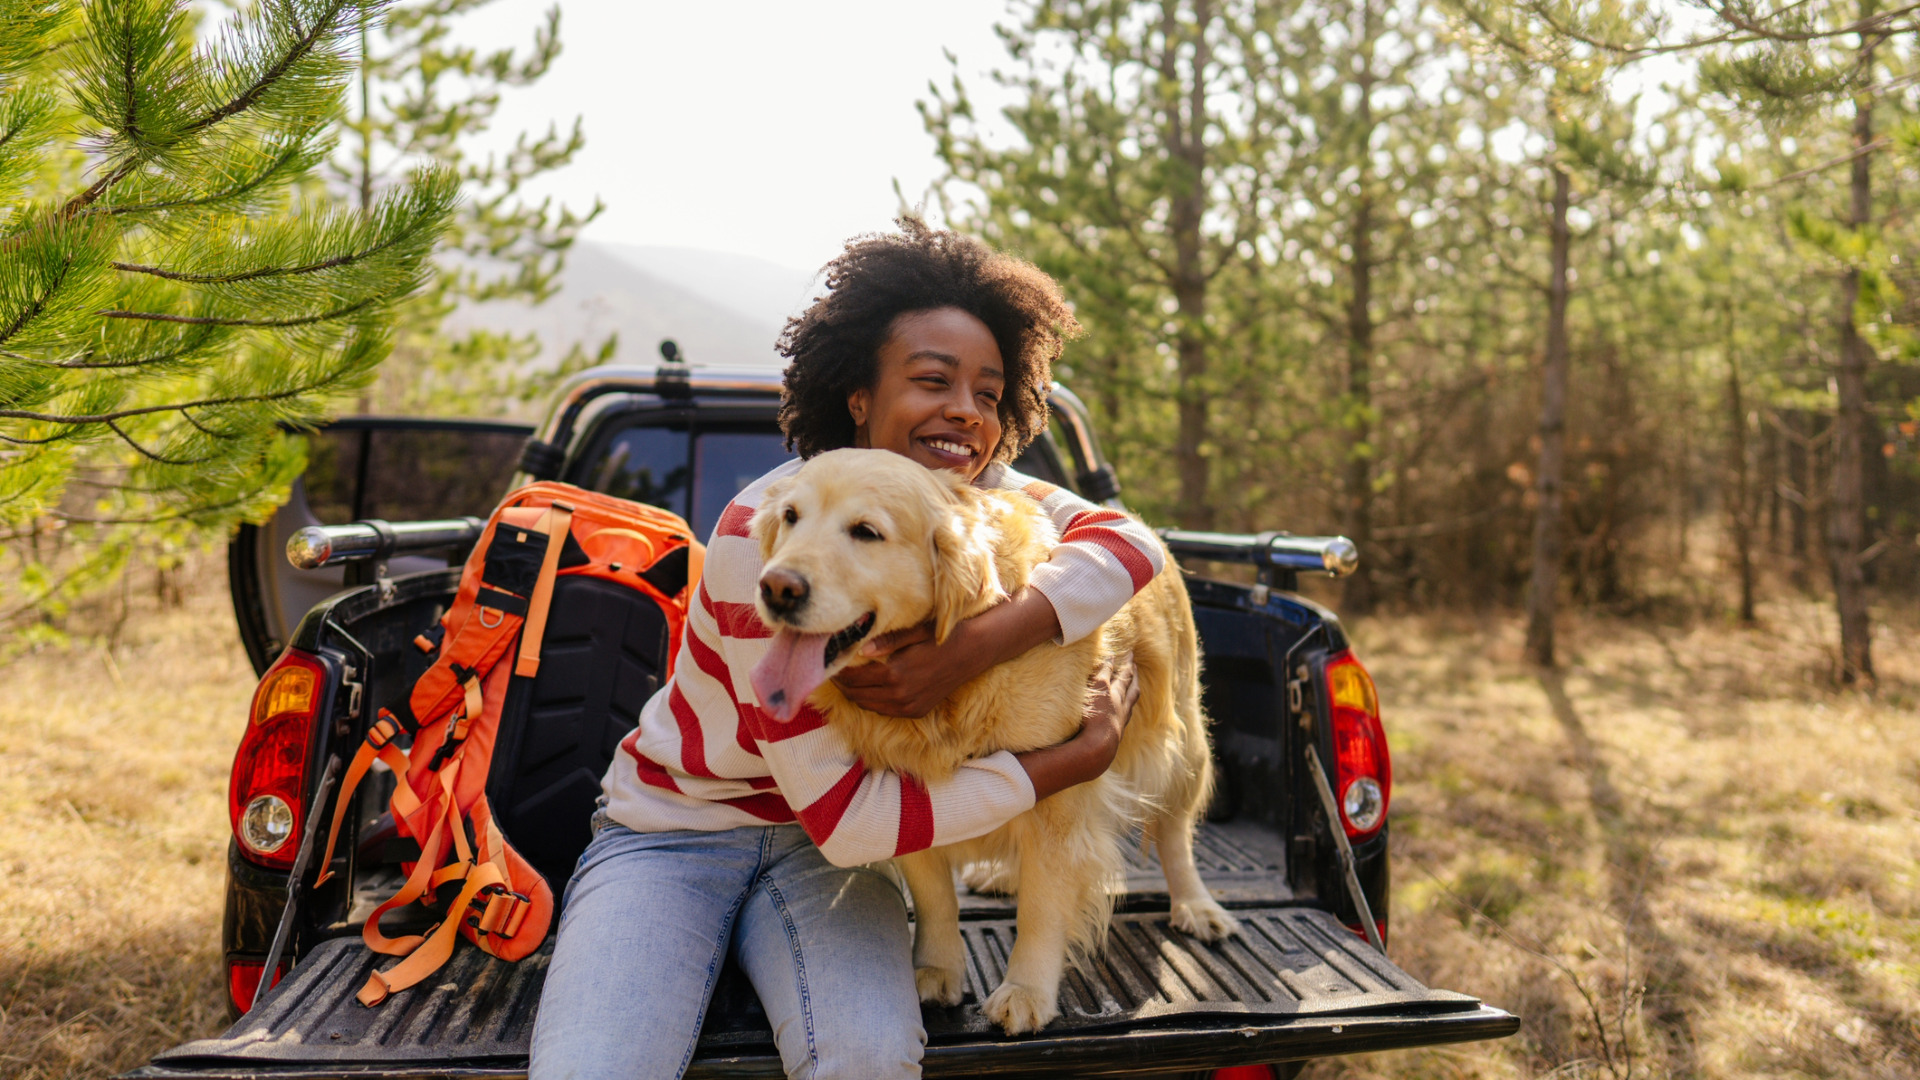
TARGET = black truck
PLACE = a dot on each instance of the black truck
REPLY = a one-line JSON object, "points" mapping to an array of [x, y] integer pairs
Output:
{"points": [[365, 555]]}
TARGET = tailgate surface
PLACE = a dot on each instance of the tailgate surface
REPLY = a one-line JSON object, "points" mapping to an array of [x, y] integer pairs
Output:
{"points": [[1286, 964]]}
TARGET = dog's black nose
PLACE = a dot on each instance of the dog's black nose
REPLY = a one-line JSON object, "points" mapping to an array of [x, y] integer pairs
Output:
{"points": [[784, 591]]}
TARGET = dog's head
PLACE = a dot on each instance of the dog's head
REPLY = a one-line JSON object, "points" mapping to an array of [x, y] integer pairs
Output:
{"points": [[856, 544]]}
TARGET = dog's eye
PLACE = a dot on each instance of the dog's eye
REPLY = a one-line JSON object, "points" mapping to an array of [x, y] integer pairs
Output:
{"points": [[791, 515], [864, 531]]}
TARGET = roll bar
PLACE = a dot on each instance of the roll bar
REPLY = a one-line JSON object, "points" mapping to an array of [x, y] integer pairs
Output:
{"points": [[1275, 553], [330, 545]]}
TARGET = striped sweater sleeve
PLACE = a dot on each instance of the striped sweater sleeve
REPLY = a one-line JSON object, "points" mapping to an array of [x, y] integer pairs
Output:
{"points": [[853, 814], [1104, 557]]}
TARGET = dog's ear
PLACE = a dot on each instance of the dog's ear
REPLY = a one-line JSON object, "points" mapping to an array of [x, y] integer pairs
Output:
{"points": [[964, 577], [765, 525]]}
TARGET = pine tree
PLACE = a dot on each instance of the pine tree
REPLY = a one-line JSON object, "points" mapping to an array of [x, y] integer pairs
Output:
{"points": [[421, 95], [173, 289], [1136, 182]]}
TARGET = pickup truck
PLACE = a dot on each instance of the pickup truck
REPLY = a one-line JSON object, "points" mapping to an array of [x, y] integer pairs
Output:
{"points": [[373, 535]]}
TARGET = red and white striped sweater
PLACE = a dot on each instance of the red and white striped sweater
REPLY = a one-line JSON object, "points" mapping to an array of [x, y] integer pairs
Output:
{"points": [[706, 757]]}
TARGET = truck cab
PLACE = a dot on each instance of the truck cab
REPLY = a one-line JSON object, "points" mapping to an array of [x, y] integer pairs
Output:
{"points": [[365, 556]]}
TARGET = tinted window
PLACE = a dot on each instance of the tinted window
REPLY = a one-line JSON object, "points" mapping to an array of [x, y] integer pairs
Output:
{"points": [[647, 465], [724, 463], [408, 475], [694, 474]]}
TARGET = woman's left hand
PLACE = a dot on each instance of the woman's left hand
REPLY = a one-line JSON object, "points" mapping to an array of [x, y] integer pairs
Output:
{"points": [[913, 674]]}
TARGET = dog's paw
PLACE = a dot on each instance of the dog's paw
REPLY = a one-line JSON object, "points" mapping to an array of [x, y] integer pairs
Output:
{"points": [[1204, 919], [988, 878], [939, 986], [1021, 1009]]}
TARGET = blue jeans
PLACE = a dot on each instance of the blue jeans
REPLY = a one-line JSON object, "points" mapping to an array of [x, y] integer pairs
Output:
{"points": [[648, 919]]}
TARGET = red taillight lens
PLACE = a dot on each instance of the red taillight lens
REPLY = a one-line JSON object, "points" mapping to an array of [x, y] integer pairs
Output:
{"points": [[270, 768], [243, 980], [1360, 931], [1364, 774]]}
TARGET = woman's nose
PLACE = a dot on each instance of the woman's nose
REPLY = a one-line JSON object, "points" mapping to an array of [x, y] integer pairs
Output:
{"points": [[961, 409]]}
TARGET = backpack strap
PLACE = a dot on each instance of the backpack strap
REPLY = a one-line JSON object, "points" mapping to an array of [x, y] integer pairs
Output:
{"points": [[559, 521], [433, 951], [378, 744]]}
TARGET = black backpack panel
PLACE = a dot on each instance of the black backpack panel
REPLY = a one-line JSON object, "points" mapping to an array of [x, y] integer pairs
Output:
{"points": [[604, 655]]}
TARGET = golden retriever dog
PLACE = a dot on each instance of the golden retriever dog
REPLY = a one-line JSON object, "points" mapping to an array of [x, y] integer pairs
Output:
{"points": [[863, 542]]}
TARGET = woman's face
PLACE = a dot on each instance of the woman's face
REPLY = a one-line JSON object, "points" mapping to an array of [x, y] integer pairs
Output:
{"points": [[936, 392]]}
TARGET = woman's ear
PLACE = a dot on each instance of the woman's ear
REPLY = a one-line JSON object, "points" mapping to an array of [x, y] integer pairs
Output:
{"points": [[965, 581], [859, 403], [765, 526]]}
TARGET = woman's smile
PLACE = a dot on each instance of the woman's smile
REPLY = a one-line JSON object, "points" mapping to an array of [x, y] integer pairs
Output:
{"points": [[936, 392]]}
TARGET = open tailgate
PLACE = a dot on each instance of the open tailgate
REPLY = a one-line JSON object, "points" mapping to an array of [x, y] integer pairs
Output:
{"points": [[1293, 984]]}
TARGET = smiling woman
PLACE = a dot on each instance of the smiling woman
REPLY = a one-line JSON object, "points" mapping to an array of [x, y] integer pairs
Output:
{"points": [[743, 830], [939, 302]]}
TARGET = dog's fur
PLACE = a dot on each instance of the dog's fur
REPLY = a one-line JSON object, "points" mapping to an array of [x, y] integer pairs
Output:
{"points": [[948, 551]]}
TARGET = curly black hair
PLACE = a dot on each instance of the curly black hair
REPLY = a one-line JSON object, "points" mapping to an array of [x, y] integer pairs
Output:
{"points": [[833, 349]]}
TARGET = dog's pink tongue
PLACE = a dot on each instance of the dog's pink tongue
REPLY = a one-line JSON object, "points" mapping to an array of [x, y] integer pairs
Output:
{"points": [[794, 667]]}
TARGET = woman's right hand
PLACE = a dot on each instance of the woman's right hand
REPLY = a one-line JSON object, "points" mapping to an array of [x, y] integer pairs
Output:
{"points": [[1115, 687]]}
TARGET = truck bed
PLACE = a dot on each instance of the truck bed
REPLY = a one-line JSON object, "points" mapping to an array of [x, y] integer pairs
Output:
{"points": [[1293, 983]]}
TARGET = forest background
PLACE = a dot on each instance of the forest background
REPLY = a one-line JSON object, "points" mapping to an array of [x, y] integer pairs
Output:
{"points": [[1588, 315], [1539, 302]]}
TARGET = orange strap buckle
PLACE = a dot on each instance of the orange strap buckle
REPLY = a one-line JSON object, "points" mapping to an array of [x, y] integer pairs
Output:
{"points": [[383, 730], [504, 912]]}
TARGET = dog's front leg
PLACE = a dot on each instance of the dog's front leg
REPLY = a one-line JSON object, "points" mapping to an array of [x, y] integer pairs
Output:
{"points": [[1029, 998], [939, 953]]}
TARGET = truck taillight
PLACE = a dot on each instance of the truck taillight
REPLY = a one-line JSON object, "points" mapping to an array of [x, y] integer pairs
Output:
{"points": [[270, 768], [243, 980], [1364, 774]]}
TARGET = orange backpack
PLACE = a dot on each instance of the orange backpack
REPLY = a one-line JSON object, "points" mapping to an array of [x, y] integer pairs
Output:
{"points": [[540, 532]]}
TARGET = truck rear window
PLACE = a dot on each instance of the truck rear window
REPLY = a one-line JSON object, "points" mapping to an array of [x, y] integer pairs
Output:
{"points": [[690, 472]]}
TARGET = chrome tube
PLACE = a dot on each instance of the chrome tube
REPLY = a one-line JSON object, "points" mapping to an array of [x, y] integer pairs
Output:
{"points": [[330, 545], [1334, 555]]}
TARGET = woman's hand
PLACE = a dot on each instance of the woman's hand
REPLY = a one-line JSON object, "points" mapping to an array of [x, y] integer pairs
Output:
{"points": [[1115, 688], [913, 674]]}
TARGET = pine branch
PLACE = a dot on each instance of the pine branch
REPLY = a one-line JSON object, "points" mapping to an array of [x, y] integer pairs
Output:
{"points": [[148, 454], [150, 410], [218, 320], [348, 259], [305, 42]]}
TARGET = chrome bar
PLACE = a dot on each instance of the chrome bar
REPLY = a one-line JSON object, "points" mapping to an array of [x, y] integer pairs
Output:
{"points": [[330, 545], [1335, 555]]}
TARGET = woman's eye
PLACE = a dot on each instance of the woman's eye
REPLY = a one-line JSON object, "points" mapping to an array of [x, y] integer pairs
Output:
{"points": [[863, 531], [791, 515]]}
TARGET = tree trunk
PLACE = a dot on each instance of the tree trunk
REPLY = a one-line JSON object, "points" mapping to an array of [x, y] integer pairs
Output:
{"points": [[1186, 140], [1553, 435], [1770, 485], [1848, 522], [1739, 498], [1358, 597]]}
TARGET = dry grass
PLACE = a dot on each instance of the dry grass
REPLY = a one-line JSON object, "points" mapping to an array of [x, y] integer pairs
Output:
{"points": [[113, 779], [1689, 830], [1685, 855]]}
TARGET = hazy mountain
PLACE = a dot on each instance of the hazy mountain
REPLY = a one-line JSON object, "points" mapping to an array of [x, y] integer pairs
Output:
{"points": [[763, 292], [722, 309]]}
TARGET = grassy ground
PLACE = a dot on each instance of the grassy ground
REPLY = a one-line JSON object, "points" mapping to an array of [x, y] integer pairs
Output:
{"points": [[113, 810], [1686, 855]]}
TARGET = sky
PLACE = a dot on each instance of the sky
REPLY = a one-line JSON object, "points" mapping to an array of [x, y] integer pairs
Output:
{"points": [[775, 130]]}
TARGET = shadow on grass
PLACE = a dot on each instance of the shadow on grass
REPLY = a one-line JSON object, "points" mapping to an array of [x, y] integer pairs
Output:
{"points": [[1629, 842], [96, 1009]]}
